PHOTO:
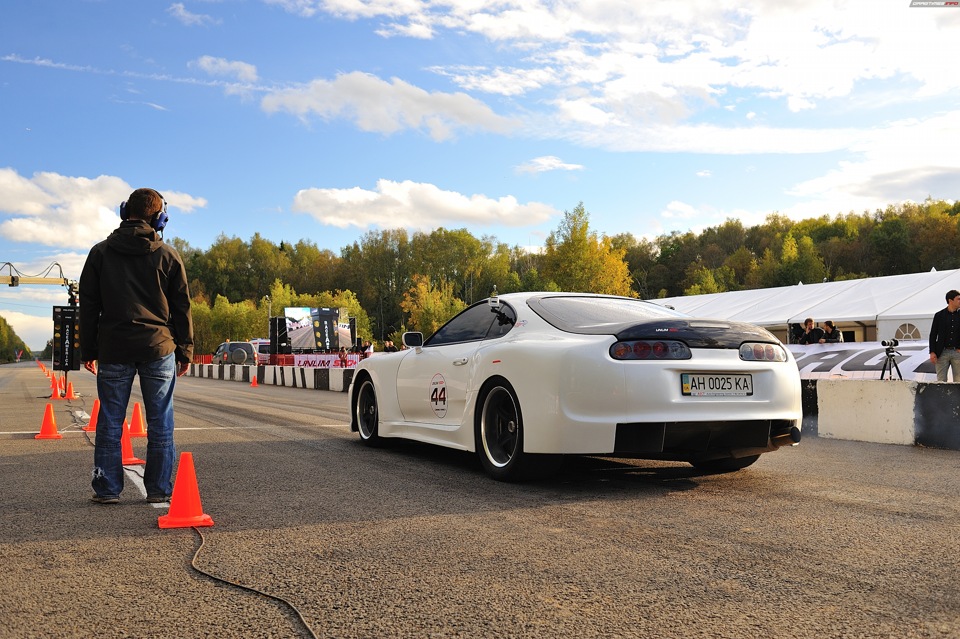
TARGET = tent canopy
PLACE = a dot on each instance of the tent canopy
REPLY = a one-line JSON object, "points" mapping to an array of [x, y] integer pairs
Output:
{"points": [[886, 302]]}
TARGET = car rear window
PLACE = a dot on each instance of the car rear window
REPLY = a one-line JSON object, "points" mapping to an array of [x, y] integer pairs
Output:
{"points": [[596, 315]]}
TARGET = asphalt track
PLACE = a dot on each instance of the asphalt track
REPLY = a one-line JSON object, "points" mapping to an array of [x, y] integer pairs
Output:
{"points": [[829, 539]]}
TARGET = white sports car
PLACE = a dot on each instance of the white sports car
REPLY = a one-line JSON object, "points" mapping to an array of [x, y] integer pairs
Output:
{"points": [[524, 378]]}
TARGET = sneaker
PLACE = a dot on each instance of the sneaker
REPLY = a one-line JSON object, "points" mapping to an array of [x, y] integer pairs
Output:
{"points": [[158, 499], [105, 500]]}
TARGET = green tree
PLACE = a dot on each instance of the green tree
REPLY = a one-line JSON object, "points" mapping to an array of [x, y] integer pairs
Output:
{"points": [[578, 260], [377, 269], [10, 343], [455, 257], [429, 306]]}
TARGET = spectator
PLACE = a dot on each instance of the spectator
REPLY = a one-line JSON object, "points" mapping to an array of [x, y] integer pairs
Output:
{"points": [[388, 347], [830, 334], [135, 320], [811, 334], [945, 338]]}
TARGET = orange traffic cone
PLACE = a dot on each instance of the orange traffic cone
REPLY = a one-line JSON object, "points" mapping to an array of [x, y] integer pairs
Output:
{"points": [[54, 388], [63, 383], [94, 414], [70, 393], [136, 422], [126, 448], [253, 382], [48, 428], [185, 509]]}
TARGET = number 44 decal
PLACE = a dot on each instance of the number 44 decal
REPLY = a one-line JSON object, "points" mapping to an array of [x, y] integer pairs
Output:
{"points": [[438, 395]]}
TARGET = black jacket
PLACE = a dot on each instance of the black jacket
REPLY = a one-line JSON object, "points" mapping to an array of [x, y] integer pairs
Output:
{"points": [[134, 299], [938, 330]]}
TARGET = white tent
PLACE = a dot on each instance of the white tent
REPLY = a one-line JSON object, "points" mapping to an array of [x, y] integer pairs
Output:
{"points": [[900, 306]]}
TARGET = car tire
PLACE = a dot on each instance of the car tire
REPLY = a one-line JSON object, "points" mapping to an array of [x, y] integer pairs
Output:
{"points": [[367, 413], [238, 356], [725, 465], [499, 436]]}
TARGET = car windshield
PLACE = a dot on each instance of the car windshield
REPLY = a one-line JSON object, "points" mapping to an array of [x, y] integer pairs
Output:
{"points": [[596, 315]]}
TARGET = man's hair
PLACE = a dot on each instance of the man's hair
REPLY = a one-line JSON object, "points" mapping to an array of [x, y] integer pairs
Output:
{"points": [[952, 293], [143, 204], [830, 324], [809, 320]]}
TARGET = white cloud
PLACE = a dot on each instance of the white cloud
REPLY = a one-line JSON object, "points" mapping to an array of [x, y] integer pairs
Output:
{"points": [[386, 107], [179, 11], [74, 212], [705, 173], [416, 206], [657, 63], [547, 163], [907, 160], [242, 71]]}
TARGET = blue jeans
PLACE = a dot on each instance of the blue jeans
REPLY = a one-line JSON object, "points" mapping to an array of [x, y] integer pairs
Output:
{"points": [[949, 359], [114, 381]]}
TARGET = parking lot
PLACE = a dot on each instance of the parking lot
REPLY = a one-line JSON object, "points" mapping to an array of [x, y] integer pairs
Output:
{"points": [[829, 539]]}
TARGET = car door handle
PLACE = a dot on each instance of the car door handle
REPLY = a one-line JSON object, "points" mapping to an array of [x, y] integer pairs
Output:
{"points": [[460, 362]]}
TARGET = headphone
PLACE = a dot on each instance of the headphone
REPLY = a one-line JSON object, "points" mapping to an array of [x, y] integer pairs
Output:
{"points": [[159, 219]]}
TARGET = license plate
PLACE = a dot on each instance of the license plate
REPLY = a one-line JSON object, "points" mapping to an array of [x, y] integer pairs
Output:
{"points": [[701, 385]]}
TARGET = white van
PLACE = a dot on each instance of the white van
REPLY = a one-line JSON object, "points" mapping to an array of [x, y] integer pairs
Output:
{"points": [[263, 350]]}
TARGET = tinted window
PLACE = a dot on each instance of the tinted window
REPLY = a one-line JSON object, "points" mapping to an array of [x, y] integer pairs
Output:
{"points": [[597, 315], [470, 325], [502, 322]]}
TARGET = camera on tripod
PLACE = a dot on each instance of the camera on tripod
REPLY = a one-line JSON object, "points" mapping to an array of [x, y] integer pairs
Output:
{"points": [[890, 363]]}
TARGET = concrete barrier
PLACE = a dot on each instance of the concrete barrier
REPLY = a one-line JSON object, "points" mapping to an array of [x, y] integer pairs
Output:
{"points": [[330, 379], [868, 410]]}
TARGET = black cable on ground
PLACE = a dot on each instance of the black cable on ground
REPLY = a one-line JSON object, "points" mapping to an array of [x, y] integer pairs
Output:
{"points": [[193, 564], [193, 561]]}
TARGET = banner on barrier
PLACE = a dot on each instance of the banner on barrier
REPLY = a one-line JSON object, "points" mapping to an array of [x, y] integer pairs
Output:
{"points": [[326, 361], [865, 360]]}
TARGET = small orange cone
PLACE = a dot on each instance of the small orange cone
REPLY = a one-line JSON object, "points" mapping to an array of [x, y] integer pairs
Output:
{"points": [[70, 393], [126, 448], [63, 383], [48, 428], [136, 422], [94, 414], [185, 509], [54, 388], [253, 382]]}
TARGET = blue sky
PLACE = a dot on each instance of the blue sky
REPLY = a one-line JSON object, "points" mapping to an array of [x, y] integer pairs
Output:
{"points": [[324, 119]]}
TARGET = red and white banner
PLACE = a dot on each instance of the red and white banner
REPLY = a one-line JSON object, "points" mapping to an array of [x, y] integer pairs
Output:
{"points": [[326, 361]]}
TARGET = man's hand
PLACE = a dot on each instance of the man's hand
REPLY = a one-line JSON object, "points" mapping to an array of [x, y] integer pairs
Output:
{"points": [[91, 366], [933, 357], [182, 368]]}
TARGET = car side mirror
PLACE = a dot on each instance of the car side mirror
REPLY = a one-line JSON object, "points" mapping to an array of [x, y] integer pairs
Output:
{"points": [[412, 340]]}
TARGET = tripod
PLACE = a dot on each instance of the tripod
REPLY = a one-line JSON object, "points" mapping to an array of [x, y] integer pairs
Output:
{"points": [[890, 364]]}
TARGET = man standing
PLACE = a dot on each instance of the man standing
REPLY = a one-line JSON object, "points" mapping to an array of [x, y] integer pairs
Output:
{"points": [[945, 338], [135, 320]]}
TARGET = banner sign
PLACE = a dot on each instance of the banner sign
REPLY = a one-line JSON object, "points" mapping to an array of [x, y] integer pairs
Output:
{"points": [[327, 361], [865, 360]]}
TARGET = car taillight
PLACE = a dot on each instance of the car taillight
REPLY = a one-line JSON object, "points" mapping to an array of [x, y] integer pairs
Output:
{"points": [[757, 352], [647, 349]]}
